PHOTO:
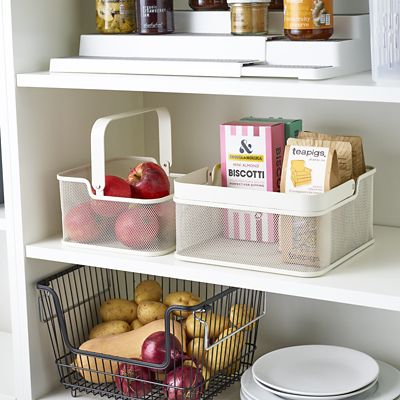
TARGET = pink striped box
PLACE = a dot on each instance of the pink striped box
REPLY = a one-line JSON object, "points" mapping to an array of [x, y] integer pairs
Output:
{"points": [[251, 158]]}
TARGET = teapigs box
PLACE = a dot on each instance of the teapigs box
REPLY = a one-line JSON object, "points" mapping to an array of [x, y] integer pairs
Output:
{"points": [[251, 158], [292, 126]]}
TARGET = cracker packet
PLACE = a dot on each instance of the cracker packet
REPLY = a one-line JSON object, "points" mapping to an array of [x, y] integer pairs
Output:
{"points": [[358, 160]]}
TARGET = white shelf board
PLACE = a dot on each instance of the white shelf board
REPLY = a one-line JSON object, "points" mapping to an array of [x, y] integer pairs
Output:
{"points": [[7, 391], [2, 218], [371, 278], [232, 393], [357, 87]]}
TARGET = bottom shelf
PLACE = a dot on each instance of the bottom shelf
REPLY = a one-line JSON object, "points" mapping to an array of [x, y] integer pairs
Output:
{"points": [[7, 389], [232, 393]]}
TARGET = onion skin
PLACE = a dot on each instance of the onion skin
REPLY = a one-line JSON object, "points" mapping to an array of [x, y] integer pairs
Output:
{"points": [[153, 350], [185, 382], [133, 387]]}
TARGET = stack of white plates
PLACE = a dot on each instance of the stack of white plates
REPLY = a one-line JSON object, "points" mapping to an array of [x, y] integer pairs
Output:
{"points": [[320, 373]]}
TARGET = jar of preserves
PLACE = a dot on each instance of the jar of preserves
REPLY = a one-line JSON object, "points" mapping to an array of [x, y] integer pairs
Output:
{"points": [[208, 5], [154, 17], [249, 17], [308, 19], [276, 5], [115, 16]]}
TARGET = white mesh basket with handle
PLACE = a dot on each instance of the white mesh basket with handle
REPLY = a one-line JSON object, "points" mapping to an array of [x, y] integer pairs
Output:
{"points": [[287, 233], [137, 226]]}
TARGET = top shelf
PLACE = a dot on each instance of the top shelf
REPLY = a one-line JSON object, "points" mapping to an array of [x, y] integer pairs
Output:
{"points": [[358, 87]]}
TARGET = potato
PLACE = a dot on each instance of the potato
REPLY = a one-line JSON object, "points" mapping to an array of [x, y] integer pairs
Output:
{"points": [[136, 324], [182, 299], [109, 328], [227, 352], [216, 324], [118, 310], [149, 290], [149, 311], [241, 314], [196, 350]]}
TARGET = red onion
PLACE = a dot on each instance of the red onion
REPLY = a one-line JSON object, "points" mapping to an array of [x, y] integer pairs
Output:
{"points": [[134, 387], [153, 350], [184, 382]]}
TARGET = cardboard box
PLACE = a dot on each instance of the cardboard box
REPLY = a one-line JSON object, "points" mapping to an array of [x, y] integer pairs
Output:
{"points": [[292, 126], [251, 158]]}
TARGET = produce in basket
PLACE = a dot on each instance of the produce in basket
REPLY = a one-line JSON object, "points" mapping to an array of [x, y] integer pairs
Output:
{"points": [[137, 227], [148, 181], [136, 324], [118, 310], [216, 324], [114, 187], [148, 290], [242, 314], [188, 379], [196, 350], [82, 225], [154, 350], [126, 345], [227, 352], [182, 299], [109, 328], [149, 311], [139, 385]]}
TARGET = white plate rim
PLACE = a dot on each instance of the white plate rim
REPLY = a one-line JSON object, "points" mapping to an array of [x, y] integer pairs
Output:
{"points": [[291, 396], [306, 348]]}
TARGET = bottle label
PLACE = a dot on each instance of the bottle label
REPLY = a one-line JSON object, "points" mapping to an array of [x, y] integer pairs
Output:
{"points": [[308, 14]]}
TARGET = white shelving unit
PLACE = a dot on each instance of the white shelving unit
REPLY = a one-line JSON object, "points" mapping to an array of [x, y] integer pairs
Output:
{"points": [[46, 131], [3, 224], [356, 282], [7, 391]]}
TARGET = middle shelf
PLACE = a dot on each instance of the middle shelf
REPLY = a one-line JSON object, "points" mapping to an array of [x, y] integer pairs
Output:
{"points": [[369, 279]]}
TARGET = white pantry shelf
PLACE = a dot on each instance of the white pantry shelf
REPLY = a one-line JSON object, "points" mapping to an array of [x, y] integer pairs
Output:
{"points": [[7, 391], [358, 87], [232, 393], [369, 279], [3, 224]]}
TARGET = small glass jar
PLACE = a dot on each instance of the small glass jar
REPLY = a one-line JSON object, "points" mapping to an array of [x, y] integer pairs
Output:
{"points": [[249, 17], [276, 5], [154, 17], [208, 5], [115, 16], [308, 19]]}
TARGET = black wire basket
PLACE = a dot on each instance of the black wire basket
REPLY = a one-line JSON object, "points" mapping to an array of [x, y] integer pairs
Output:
{"points": [[224, 324]]}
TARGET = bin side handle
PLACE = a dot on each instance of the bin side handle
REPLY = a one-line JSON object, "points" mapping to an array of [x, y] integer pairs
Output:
{"points": [[97, 142]]}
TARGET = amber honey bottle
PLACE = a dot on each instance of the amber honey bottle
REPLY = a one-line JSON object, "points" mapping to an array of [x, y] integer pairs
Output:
{"points": [[308, 19]]}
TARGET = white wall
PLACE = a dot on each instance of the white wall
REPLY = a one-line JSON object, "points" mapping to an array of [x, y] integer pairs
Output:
{"points": [[5, 317]]}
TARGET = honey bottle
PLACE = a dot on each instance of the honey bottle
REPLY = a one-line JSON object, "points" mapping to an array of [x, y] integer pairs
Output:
{"points": [[308, 19]]}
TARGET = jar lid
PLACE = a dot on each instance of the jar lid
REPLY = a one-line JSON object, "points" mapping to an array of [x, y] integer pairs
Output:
{"points": [[247, 1]]}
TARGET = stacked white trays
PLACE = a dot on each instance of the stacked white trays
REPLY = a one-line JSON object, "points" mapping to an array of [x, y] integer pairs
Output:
{"points": [[287, 233]]}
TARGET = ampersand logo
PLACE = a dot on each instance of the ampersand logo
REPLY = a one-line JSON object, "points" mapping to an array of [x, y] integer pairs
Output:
{"points": [[245, 147]]}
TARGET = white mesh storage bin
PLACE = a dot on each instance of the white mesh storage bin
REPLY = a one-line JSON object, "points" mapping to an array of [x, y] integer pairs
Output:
{"points": [[137, 226], [286, 233], [385, 39]]}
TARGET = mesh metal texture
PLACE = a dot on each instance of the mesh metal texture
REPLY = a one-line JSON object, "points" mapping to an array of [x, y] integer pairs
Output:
{"points": [[134, 226], [70, 303], [272, 242]]}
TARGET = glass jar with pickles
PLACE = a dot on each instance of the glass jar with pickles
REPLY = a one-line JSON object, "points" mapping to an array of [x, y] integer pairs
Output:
{"points": [[115, 16]]}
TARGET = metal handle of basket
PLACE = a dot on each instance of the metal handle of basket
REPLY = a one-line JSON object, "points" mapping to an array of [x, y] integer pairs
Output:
{"points": [[97, 142], [207, 340]]}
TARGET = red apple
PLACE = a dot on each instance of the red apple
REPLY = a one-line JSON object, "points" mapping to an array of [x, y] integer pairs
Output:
{"points": [[148, 181], [138, 227], [166, 216], [81, 225], [115, 187]]}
